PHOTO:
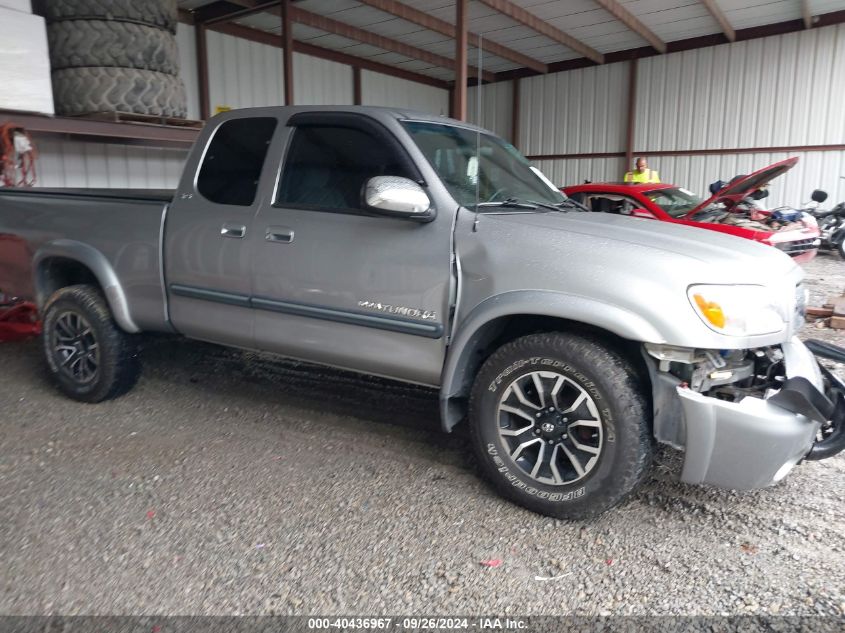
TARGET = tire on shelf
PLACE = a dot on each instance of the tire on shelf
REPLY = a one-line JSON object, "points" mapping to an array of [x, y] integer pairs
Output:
{"points": [[105, 89], [159, 13], [80, 43]]}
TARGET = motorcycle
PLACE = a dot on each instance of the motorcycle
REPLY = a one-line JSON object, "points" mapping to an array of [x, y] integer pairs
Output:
{"points": [[831, 223]]}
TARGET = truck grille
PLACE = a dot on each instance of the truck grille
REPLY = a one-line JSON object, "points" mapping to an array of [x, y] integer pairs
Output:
{"points": [[797, 247]]}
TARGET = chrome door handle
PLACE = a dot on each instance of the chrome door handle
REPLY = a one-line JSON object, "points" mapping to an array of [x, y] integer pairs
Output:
{"points": [[233, 230], [280, 234]]}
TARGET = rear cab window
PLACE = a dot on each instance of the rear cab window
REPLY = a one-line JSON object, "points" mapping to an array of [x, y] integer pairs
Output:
{"points": [[231, 168]]}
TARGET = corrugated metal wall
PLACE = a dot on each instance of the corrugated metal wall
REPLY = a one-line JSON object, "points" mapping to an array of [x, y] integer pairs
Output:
{"points": [[243, 74], [574, 112], [63, 163], [779, 91], [496, 107], [787, 90], [775, 91]]}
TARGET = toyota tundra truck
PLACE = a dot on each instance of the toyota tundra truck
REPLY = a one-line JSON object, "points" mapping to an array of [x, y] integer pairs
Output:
{"points": [[426, 250]]}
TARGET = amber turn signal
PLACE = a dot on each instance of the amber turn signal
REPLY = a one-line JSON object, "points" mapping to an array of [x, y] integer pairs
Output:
{"points": [[711, 311]]}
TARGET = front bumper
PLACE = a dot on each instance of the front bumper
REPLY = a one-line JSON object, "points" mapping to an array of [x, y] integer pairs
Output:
{"points": [[755, 442]]}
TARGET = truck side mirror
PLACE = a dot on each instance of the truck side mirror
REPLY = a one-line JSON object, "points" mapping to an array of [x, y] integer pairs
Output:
{"points": [[642, 213], [398, 197]]}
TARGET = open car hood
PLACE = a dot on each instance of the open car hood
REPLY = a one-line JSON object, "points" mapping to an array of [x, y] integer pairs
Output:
{"points": [[733, 192]]}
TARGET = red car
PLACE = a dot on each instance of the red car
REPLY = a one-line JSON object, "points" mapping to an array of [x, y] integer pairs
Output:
{"points": [[730, 210]]}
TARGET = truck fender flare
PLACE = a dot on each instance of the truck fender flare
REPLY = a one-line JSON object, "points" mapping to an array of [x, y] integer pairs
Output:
{"points": [[478, 329], [99, 266]]}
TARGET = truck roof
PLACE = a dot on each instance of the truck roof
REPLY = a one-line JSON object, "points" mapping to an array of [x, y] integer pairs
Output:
{"points": [[377, 112]]}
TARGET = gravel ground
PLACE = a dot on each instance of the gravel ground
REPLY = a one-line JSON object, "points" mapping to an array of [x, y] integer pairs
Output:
{"points": [[231, 483]]}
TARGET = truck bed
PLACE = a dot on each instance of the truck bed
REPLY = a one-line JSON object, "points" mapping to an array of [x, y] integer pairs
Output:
{"points": [[123, 226]]}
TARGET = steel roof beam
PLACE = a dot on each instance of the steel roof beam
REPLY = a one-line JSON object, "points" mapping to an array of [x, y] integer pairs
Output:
{"points": [[630, 20], [271, 39], [518, 14], [425, 20], [329, 25], [806, 14], [716, 11], [214, 15]]}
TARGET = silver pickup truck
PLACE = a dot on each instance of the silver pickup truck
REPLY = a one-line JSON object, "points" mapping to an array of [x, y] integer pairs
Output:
{"points": [[426, 250]]}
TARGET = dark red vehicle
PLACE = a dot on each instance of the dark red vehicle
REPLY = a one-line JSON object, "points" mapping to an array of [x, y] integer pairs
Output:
{"points": [[730, 210]]}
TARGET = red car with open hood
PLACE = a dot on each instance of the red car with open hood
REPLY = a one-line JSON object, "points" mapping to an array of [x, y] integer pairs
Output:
{"points": [[730, 210]]}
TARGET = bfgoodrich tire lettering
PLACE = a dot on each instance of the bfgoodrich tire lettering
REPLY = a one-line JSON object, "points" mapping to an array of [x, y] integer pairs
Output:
{"points": [[89, 357], [616, 437]]}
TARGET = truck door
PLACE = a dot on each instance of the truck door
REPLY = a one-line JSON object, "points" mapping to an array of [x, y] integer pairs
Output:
{"points": [[208, 232], [336, 284]]}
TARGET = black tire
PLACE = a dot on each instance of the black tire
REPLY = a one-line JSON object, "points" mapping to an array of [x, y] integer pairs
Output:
{"points": [[623, 437], [80, 43], [115, 353], [100, 89], [158, 13]]}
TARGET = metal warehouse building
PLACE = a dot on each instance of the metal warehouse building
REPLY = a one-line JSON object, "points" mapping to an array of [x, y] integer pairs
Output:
{"points": [[701, 87], [387, 315]]}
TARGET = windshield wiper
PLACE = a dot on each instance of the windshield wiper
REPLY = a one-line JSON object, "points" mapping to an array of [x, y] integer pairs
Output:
{"points": [[572, 204], [516, 203]]}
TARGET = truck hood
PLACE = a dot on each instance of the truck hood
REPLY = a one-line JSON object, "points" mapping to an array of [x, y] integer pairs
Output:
{"points": [[737, 259], [627, 275]]}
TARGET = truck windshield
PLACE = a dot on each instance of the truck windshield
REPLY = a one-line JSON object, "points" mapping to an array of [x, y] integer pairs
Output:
{"points": [[498, 169], [674, 201]]}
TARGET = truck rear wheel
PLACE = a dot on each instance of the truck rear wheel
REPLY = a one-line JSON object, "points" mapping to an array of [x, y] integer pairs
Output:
{"points": [[90, 358], [560, 425]]}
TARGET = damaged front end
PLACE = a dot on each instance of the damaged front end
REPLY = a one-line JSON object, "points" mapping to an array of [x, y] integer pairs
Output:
{"points": [[745, 418]]}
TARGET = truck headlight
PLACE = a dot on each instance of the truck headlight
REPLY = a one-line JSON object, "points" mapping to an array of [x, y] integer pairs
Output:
{"points": [[737, 310]]}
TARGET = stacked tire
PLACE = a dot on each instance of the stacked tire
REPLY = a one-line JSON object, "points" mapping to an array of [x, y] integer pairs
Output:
{"points": [[115, 56]]}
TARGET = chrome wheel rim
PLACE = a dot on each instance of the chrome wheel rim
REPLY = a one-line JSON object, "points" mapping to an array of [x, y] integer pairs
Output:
{"points": [[75, 347], [550, 427]]}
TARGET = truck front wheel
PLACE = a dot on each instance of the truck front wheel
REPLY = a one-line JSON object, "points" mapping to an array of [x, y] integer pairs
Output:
{"points": [[90, 358], [560, 425]]}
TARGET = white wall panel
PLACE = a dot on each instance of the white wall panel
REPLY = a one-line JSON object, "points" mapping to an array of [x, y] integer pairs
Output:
{"points": [[574, 112], [187, 43], [63, 163], [244, 74], [383, 90], [496, 107], [815, 170], [774, 91], [320, 82], [574, 171]]}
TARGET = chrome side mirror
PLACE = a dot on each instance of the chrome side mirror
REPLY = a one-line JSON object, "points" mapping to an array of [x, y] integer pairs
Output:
{"points": [[398, 197]]}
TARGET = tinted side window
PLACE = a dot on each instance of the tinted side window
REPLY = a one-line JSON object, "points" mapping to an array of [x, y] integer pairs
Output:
{"points": [[327, 166], [232, 165]]}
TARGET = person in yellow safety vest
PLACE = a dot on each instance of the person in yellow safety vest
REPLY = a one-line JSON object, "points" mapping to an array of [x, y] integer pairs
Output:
{"points": [[642, 173]]}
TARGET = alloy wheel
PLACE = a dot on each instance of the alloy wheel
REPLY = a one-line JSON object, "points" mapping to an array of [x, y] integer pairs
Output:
{"points": [[551, 427], [75, 347]]}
